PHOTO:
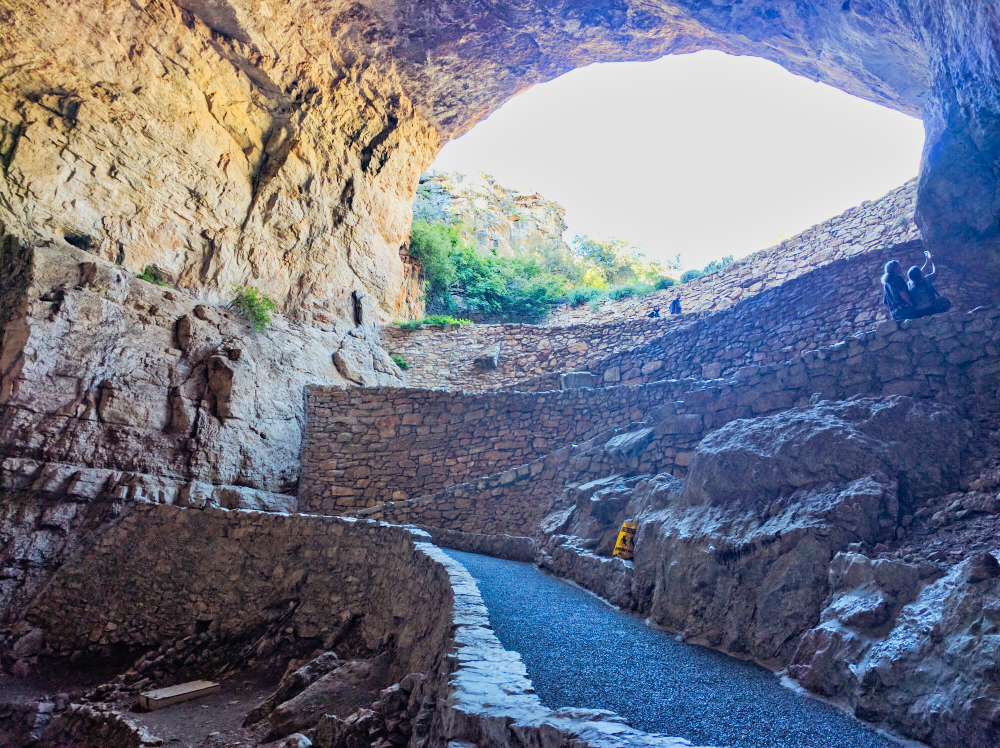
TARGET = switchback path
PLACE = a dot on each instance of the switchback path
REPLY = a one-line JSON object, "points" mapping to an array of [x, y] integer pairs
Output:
{"points": [[581, 652]]}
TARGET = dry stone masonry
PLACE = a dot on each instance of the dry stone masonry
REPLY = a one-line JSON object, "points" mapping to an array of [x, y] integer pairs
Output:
{"points": [[841, 295]]}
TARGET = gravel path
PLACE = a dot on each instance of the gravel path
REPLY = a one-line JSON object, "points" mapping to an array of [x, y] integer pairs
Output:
{"points": [[581, 652]]}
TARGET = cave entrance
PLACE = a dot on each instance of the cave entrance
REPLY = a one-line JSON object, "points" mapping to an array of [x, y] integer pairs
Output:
{"points": [[703, 155]]}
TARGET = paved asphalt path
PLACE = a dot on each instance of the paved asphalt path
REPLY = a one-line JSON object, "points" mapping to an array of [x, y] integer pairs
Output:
{"points": [[580, 652]]}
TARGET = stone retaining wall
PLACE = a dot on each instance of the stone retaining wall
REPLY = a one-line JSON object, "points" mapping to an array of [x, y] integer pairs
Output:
{"points": [[815, 309], [161, 571], [865, 228], [952, 358], [367, 446], [446, 358], [574, 338]]}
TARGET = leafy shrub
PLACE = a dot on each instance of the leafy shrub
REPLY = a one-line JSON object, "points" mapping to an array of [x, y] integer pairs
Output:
{"points": [[583, 294], [445, 319], [616, 262], [690, 275], [717, 264], [399, 361], [595, 306], [513, 288], [255, 305], [525, 287], [664, 282], [434, 319], [152, 274], [633, 289]]}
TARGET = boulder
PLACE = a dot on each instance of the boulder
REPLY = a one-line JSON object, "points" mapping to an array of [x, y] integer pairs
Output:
{"points": [[632, 444], [829, 443], [340, 692]]}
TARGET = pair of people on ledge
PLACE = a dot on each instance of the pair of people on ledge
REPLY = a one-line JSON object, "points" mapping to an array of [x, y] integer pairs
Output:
{"points": [[675, 308], [914, 296]]}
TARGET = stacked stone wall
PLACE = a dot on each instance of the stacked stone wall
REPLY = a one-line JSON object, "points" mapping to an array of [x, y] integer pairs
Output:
{"points": [[162, 570], [367, 446], [954, 359], [865, 228], [446, 358], [818, 308]]}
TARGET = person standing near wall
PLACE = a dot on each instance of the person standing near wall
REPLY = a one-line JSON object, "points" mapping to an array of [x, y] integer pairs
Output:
{"points": [[675, 305]]}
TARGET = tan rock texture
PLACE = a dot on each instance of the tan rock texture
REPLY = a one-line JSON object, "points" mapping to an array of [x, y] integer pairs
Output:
{"points": [[103, 370], [496, 219], [257, 149], [281, 143]]}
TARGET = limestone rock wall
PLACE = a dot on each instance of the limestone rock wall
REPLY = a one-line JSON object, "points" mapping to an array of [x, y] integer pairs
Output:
{"points": [[496, 219], [103, 370], [225, 144]]}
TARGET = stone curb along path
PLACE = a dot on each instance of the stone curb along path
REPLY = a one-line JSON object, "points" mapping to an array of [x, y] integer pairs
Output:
{"points": [[491, 701]]}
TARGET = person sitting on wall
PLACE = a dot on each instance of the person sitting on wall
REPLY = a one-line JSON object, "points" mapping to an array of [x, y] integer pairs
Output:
{"points": [[655, 313], [675, 306], [925, 299], [895, 293]]}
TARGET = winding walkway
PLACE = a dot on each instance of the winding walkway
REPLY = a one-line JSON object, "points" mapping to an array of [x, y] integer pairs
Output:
{"points": [[581, 652]]}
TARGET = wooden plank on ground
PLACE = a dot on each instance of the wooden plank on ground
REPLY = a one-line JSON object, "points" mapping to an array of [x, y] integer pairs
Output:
{"points": [[162, 697]]}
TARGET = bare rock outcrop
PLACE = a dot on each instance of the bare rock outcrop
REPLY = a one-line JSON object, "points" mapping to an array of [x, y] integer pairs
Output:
{"points": [[913, 442], [907, 644], [499, 219], [122, 374], [737, 556], [116, 389]]}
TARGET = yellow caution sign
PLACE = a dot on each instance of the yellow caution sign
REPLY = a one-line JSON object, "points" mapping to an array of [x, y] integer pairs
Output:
{"points": [[625, 546]]}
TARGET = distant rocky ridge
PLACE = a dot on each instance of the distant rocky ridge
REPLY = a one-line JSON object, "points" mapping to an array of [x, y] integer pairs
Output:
{"points": [[496, 217]]}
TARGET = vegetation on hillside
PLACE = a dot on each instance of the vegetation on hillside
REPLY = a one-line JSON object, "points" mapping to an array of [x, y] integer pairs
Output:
{"points": [[524, 287], [709, 268], [438, 320], [255, 305]]}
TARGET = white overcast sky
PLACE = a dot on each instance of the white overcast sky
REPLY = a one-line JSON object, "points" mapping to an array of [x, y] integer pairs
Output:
{"points": [[704, 154]]}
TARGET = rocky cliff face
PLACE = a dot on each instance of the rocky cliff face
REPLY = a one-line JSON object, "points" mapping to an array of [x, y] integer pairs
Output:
{"points": [[114, 388], [229, 140], [496, 218]]}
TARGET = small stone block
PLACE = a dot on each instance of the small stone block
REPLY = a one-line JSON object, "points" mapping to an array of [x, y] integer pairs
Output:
{"points": [[162, 697]]}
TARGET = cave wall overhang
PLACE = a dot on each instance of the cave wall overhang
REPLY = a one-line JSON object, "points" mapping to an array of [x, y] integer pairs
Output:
{"points": [[280, 143]]}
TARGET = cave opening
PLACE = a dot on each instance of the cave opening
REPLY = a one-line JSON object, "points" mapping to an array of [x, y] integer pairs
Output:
{"points": [[704, 155]]}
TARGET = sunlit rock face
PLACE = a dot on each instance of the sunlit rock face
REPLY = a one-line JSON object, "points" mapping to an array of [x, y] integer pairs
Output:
{"points": [[281, 142]]}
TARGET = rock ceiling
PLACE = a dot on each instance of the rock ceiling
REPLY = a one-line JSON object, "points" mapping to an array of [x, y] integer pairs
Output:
{"points": [[280, 142]]}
